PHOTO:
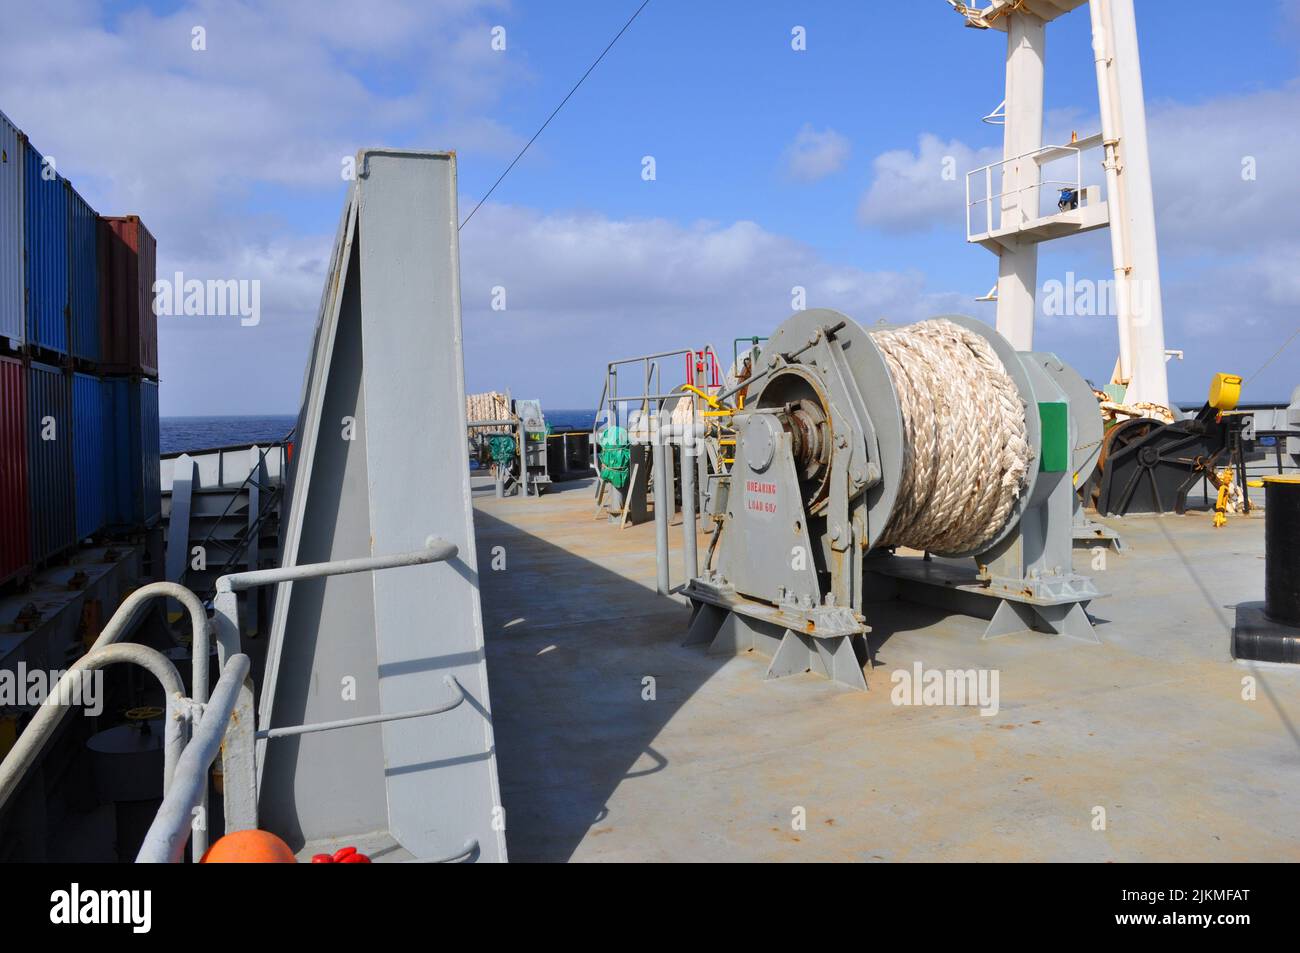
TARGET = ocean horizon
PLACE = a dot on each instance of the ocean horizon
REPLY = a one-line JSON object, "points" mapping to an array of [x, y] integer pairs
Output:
{"points": [[193, 433]]}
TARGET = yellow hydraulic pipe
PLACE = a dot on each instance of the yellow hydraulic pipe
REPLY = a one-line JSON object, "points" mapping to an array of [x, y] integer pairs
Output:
{"points": [[708, 398]]}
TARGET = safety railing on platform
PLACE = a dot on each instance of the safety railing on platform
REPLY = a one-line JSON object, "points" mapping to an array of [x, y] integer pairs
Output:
{"points": [[237, 546], [1070, 189]]}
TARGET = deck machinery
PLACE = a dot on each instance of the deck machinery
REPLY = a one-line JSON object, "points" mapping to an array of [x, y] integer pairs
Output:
{"points": [[819, 459]]}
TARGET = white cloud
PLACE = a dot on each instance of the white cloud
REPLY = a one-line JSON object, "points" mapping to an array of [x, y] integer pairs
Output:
{"points": [[1199, 152], [814, 155], [282, 93], [914, 191], [611, 288], [221, 150], [580, 290]]}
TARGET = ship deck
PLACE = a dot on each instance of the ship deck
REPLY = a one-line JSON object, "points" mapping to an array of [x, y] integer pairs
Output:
{"points": [[1150, 726]]}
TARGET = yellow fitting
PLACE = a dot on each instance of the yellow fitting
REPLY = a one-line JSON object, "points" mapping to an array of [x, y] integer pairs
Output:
{"points": [[708, 398], [1221, 504], [1225, 391]]}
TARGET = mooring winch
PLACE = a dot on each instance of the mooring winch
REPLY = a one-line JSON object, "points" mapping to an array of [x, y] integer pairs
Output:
{"points": [[936, 437]]}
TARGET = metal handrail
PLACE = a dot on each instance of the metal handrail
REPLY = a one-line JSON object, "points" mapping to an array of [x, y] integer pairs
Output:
{"points": [[469, 847], [55, 707], [226, 602], [653, 374], [295, 730], [280, 444], [217, 731], [263, 514], [172, 825], [435, 550], [990, 195], [234, 495]]}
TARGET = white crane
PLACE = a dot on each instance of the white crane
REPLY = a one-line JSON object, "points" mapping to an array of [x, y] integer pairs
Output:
{"points": [[1016, 184]]}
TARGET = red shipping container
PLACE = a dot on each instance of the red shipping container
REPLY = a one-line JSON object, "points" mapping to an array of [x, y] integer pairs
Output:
{"points": [[128, 266], [15, 538]]}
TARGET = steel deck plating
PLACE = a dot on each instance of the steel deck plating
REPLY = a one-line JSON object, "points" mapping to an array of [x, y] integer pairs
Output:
{"points": [[1151, 725]]}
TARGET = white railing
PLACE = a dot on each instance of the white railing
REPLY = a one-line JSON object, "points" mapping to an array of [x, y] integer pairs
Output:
{"points": [[1039, 157], [202, 729]]}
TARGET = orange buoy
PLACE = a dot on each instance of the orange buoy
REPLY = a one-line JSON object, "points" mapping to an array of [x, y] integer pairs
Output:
{"points": [[249, 847]]}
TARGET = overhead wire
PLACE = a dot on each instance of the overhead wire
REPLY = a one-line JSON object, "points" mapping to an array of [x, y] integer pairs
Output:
{"points": [[554, 113]]}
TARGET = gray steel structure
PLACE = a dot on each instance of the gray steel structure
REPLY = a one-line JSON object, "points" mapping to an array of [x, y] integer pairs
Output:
{"points": [[534, 475], [810, 613], [379, 468]]}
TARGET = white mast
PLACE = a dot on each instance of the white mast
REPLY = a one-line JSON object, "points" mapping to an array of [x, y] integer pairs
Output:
{"points": [[1016, 185]]}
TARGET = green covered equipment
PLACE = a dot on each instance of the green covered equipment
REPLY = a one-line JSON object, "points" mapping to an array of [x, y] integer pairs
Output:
{"points": [[502, 448], [615, 456]]}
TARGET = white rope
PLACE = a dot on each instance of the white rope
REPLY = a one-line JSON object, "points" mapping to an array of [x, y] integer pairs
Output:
{"points": [[966, 455]]}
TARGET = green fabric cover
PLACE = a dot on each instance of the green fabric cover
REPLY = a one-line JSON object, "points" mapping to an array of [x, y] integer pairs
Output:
{"points": [[615, 456], [502, 447]]}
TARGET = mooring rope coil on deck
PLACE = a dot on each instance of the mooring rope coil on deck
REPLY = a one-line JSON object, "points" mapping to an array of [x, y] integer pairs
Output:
{"points": [[966, 453]]}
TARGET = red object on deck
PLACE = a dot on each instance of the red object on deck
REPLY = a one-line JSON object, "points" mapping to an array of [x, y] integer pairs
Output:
{"points": [[702, 366], [344, 855]]}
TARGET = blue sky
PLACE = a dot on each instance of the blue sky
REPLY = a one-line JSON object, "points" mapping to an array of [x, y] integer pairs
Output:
{"points": [[774, 168]]}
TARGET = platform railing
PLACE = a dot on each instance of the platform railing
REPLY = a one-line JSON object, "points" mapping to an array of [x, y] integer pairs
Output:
{"points": [[198, 730], [67, 695], [225, 727], [106, 651], [1035, 185], [237, 547], [241, 798], [174, 824]]}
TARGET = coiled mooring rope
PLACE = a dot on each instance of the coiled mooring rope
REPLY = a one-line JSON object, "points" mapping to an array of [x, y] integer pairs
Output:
{"points": [[966, 455]]}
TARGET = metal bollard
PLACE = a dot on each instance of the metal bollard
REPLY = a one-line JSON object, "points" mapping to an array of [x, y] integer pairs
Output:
{"points": [[663, 505], [1269, 631], [689, 447]]}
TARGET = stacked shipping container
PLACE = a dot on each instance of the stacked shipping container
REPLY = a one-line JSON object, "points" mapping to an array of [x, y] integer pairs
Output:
{"points": [[128, 268], [49, 461], [79, 440], [84, 319], [91, 452], [132, 483], [45, 245], [129, 343], [12, 320], [15, 544]]}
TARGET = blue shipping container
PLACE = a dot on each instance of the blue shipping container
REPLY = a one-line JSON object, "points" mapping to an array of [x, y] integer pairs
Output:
{"points": [[90, 452], [45, 247], [134, 478], [83, 277], [49, 461]]}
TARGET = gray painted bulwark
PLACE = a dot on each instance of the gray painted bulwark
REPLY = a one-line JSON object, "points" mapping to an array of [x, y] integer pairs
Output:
{"points": [[388, 355]]}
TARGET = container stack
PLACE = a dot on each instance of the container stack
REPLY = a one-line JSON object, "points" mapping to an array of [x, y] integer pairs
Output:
{"points": [[79, 440]]}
